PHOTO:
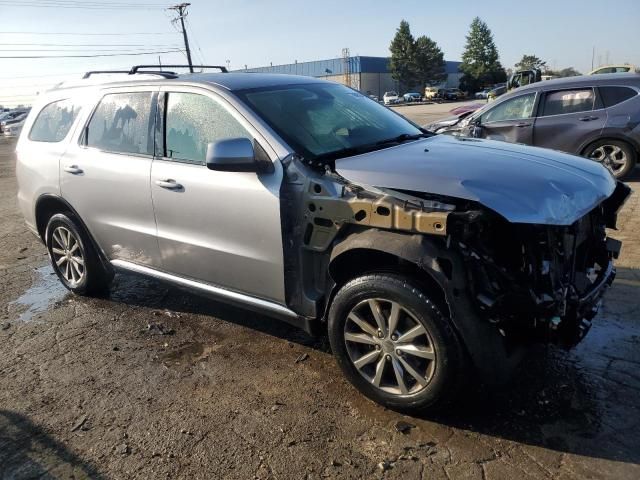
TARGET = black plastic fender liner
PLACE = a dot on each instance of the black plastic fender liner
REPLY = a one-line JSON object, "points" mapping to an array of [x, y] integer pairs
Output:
{"points": [[493, 359]]}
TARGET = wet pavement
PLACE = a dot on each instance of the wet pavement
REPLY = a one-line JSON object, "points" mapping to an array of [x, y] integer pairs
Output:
{"points": [[153, 382]]}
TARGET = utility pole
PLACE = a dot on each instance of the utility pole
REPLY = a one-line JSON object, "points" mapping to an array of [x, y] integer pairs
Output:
{"points": [[181, 8]]}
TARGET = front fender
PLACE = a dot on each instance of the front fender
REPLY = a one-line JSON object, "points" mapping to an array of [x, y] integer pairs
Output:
{"points": [[491, 356]]}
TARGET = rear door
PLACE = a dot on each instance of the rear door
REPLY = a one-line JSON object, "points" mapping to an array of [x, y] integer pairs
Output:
{"points": [[511, 120], [221, 228], [105, 176], [568, 118]]}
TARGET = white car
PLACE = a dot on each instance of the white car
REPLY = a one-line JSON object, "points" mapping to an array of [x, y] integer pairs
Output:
{"points": [[13, 130], [389, 98]]}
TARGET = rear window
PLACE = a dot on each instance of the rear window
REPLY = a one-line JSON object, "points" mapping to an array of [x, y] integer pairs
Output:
{"points": [[122, 123], [54, 121], [614, 95], [568, 101]]}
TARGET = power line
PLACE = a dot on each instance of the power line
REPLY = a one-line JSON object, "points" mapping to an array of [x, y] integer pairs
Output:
{"points": [[89, 33], [85, 50], [91, 45], [91, 56], [83, 6]]}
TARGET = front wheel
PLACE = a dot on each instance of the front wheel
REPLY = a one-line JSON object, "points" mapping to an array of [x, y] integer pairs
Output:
{"points": [[616, 156], [393, 344]]}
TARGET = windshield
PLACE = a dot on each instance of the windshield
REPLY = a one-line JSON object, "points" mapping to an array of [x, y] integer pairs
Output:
{"points": [[325, 119]]}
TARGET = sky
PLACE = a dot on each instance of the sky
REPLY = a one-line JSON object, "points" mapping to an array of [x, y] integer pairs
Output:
{"points": [[257, 33]]}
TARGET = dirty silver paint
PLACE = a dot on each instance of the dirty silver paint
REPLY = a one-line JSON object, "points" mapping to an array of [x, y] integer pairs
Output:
{"points": [[523, 184]]}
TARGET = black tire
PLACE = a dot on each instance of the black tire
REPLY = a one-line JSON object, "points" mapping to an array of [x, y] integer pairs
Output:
{"points": [[449, 367], [95, 278], [596, 152]]}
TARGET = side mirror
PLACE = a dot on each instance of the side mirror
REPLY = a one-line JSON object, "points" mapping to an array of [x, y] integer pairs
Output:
{"points": [[232, 155]]}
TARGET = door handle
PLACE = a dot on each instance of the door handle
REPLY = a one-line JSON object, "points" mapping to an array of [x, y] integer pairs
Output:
{"points": [[523, 124], [169, 184], [73, 169], [588, 118]]}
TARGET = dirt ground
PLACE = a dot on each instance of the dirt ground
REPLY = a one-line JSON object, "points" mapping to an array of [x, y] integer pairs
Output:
{"points": [[88, 390]]}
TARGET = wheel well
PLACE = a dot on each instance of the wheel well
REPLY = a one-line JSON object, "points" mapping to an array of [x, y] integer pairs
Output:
{"points": [[45, 209], [359, 261], [634, 148]]}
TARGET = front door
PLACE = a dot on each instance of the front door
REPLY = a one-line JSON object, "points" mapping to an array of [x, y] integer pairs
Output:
{"points": [[105, 177], [568, 119], [222, 228], [510, 120]]}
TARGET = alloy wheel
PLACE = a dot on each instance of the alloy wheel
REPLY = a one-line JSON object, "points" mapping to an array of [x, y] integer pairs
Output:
{"points": [[389, 347], [612, 157], [67, 255]]}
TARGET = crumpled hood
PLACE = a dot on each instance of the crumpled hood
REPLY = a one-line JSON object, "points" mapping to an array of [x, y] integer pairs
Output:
{"points": [[523, 184]]}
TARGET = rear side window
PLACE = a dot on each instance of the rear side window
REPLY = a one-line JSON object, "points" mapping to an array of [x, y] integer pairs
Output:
{"points": [[568, 101], [614, 95], [54, 121], [195, 120], [122, 123]]}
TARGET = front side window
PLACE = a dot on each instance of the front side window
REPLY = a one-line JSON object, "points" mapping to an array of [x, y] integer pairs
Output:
{"points": [[122, 123], [193, 121], [568, 101], [54, 121], [516, 108], [324, 119]]}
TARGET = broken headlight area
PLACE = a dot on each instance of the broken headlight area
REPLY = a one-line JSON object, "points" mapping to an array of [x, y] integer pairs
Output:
{"points": [[536, 282]]}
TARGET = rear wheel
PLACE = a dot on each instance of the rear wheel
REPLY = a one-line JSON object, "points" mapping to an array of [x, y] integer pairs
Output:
{"points": [[616, 156], [393, 343], [74, 258]]}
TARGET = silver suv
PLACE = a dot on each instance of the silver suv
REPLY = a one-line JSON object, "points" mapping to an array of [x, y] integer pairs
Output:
{"points": [[429, 260]]}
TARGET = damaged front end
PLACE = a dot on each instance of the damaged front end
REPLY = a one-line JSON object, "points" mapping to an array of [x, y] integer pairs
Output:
{"points": [[539, 282]]}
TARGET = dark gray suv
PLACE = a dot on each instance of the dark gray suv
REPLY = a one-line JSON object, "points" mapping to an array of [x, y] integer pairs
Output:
{"points": [[593, 116]]}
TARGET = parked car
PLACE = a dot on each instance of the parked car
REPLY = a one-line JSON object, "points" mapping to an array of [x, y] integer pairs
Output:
{"points": [[14, 118], [412, 97], [447, 125], [593, 116], [482, 94], [496, 92], [454, 94], [626, 68], [13, 129], [390, 98], [430, 261], [430, 93]]}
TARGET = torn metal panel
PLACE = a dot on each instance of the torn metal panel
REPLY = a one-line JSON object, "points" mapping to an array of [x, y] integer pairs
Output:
{"points": [[522, 184]]}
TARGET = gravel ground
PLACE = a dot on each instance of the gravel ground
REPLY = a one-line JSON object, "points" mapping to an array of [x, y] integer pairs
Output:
{"points": [[153, 382]]}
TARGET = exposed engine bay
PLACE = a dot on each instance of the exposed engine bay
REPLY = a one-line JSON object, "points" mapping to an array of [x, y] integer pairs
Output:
{"points": [[530, 282]]}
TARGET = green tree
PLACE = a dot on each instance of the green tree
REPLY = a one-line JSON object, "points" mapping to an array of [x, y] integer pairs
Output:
{"points": [[480, 60], [428, 62], [528, 62], [565, 72], [401, 64]]}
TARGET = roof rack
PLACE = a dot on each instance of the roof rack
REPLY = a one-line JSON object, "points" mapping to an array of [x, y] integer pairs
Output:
{"points": [[136, 69]]}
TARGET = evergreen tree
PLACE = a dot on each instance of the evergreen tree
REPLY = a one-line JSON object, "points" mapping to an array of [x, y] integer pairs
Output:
{"points": [[529, 62], [428, 62], [401, 48], [480, 60]]}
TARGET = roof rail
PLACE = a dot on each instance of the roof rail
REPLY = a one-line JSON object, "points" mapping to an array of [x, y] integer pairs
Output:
{"points": [[138, 67], [129, 72]]}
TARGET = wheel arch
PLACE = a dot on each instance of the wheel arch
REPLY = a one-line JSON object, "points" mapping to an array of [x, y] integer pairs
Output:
{"points": [[635, 146], [48, 205], [443, 276]]}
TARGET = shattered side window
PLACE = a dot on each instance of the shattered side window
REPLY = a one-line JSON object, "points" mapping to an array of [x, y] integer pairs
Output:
{"points": [[515, 108], [193, 121], [122, 123], [54, 121]]}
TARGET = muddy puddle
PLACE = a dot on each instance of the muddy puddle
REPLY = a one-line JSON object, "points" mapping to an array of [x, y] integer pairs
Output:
{"points": [[45, 291]]}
